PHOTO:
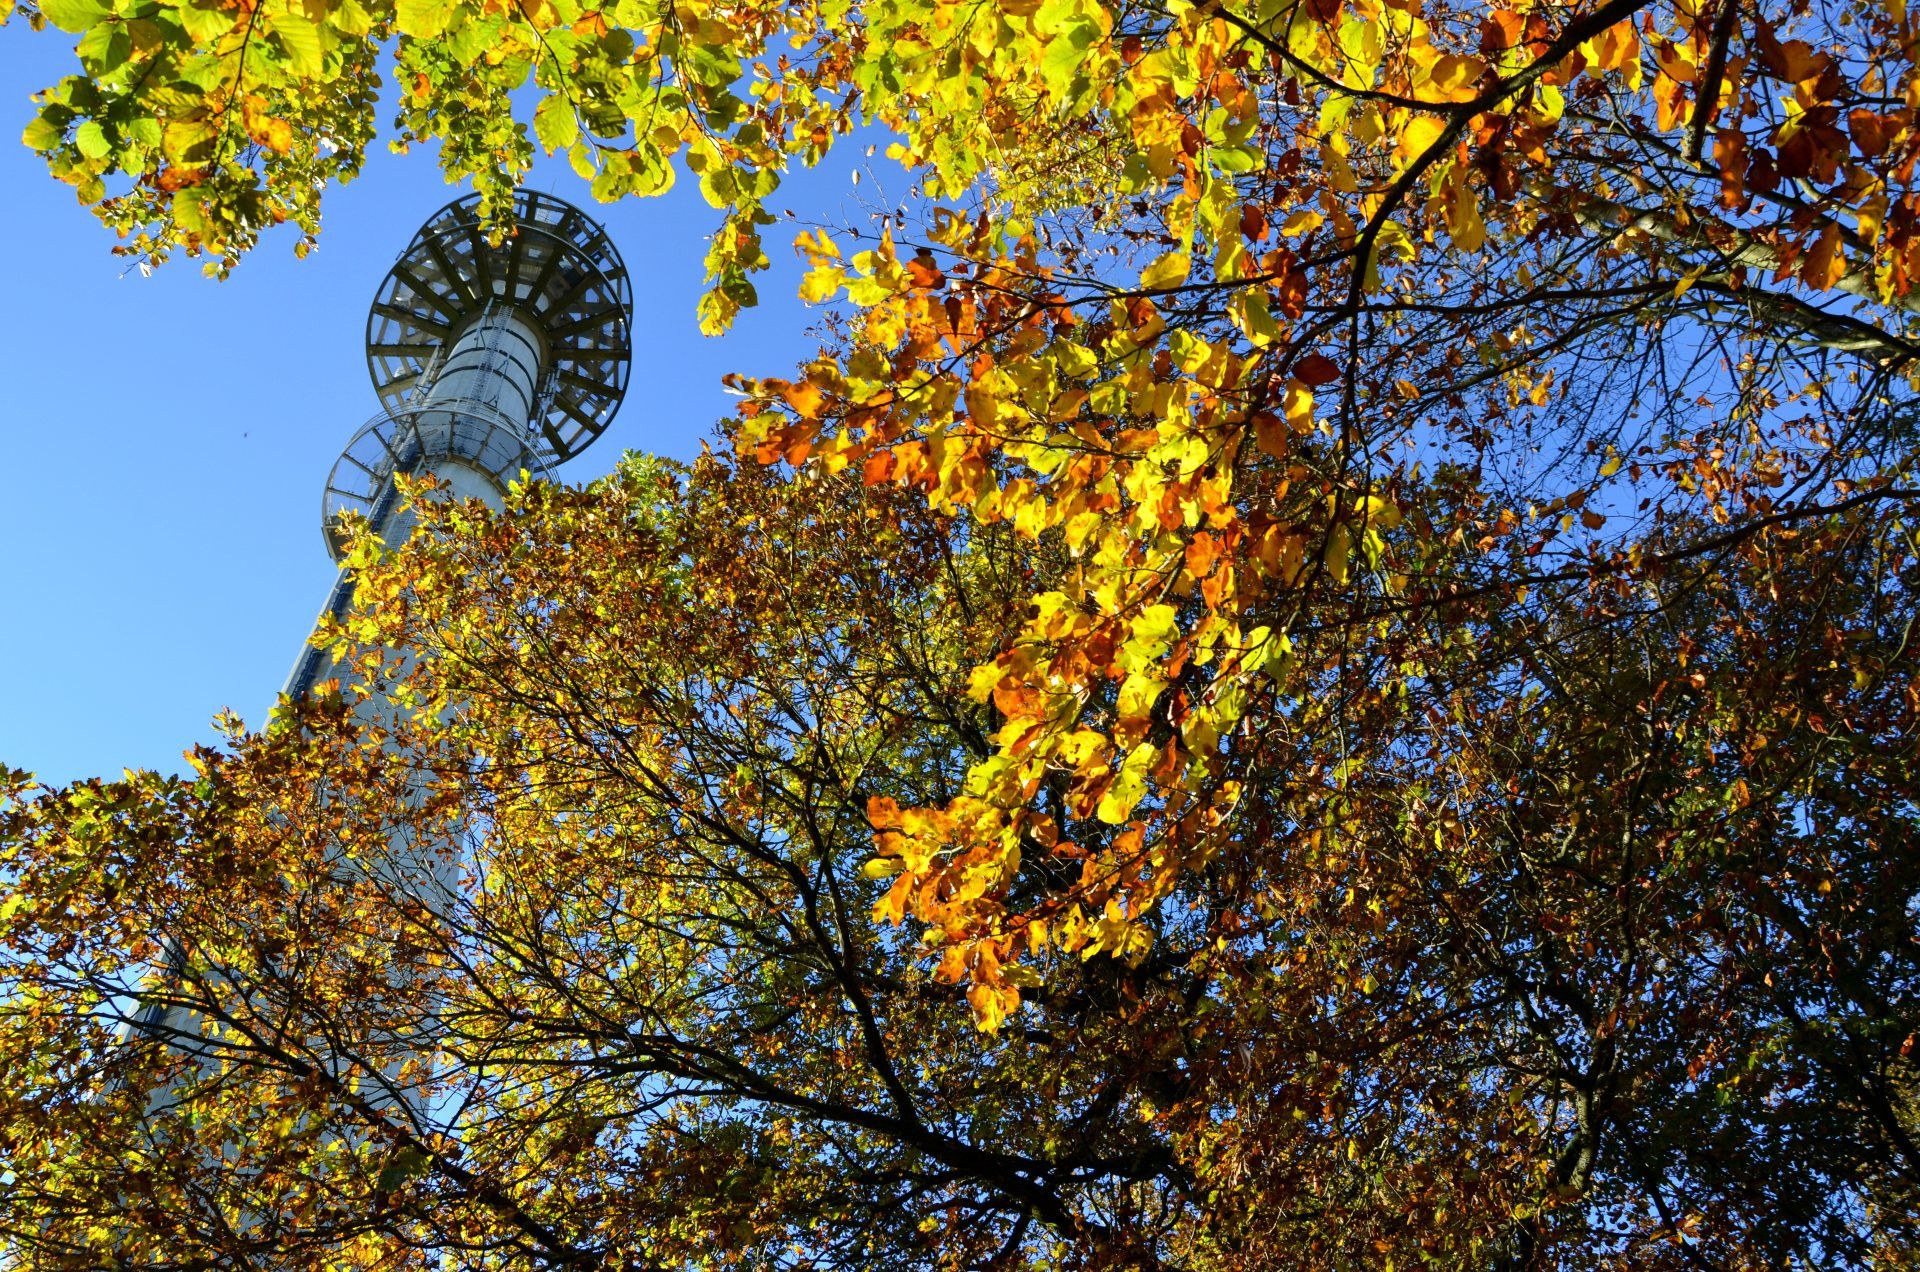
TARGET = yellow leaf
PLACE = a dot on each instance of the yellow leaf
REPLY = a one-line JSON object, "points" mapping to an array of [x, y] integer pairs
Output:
{"points": [[301, 38], [1419, 132], [1256, 318], [1339, 172], [983, 680], [816, 245], [1301, 221], [1339, 549], [1169, 271], [1687, 280], [1549, 102], [1463, 217], [422, 19], [1129, 785], [1456, 76], [1378, 511], [821, 283], [992, 1005], [1299, 407], [188, 141], [1138, 693]]}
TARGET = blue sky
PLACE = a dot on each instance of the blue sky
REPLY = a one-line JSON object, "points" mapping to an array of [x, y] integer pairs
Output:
{"points": [[167, 437]]}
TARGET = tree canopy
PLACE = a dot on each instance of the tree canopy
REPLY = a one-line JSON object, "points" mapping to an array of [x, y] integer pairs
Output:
{"points": [[1319, 671]]}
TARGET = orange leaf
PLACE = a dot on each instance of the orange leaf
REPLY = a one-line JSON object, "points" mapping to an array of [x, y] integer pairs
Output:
{"points": [[1872, 133], [1501, 31], [1271, 433], [804, 398], [1825, 265]]}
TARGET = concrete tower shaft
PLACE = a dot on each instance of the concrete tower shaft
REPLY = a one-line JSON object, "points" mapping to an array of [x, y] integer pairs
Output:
{"points": [[499, 360]]}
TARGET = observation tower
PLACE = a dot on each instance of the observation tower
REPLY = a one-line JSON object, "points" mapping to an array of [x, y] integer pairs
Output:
{"points": [[487, 359]]}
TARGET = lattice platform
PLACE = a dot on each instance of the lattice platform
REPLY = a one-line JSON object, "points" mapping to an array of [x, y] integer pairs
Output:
{"points": [[559, 268]]}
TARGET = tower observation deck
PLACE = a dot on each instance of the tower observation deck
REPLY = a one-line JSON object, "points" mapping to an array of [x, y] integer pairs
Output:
{"points": [[488, 359]]}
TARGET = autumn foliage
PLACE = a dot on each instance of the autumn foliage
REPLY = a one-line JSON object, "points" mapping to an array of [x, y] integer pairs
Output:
{"points": [[1319, 672]]}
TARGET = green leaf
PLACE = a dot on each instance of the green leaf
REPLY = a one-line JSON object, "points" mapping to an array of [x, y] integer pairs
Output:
{"points": [[105, 48], [407, 1163], [300, 40], [1234, 159], [470, 40], [42, 133], [652, 174], [75, 15], [555, 123], [718, 188], [91, 139], [142, 131], [581, 156], [1066, 51], [422, 19], [711, 64], [204, 23]]}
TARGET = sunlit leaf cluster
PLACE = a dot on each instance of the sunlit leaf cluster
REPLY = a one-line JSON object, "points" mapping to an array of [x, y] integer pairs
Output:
{"points": [[1317, 672]]}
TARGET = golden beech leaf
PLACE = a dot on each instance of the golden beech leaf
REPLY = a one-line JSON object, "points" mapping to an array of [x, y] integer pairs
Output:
{"points": [[1169, 270], [1299, 407], [1456, 77]]}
